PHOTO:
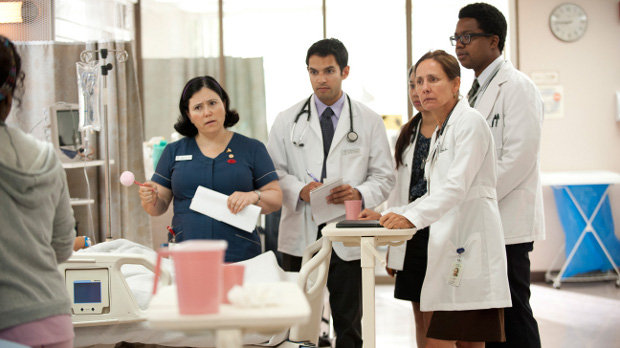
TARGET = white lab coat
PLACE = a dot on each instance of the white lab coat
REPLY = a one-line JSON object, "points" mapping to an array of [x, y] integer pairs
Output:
{"points": [[462, 207], [516, 132], [365, 165], [399, 197]]}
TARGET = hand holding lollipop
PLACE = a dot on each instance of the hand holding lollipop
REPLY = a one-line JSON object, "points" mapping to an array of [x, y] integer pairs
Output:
{"points": [[128, 179]]}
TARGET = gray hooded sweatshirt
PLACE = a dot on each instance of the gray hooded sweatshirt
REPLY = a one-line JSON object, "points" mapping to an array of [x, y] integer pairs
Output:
{"points": [[36, 229]]}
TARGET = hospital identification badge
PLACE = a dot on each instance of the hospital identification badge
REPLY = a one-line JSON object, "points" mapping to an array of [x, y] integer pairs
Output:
{"points": [[183, 158], [456, 271]]}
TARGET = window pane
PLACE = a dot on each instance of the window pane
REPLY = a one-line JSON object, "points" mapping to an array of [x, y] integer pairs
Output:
{"points": [[279, 31], [180, 40], [433, 23], [179, 29], [375, 36], [84, 20]]}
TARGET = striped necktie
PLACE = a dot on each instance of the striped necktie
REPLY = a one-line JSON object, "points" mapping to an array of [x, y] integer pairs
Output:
{"points": [[327, 129], [472, 95]]}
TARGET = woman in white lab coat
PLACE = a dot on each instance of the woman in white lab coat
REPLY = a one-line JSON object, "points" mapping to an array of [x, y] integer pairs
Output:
{"points": [[465, 286], [407, 262]]}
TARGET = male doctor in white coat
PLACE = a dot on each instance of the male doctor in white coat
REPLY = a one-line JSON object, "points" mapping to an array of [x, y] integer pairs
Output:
{"points": [[315, 135], [513, 108]]}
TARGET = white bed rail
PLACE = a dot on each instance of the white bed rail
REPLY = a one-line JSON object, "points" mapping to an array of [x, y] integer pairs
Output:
{"points": [[312, 279]]}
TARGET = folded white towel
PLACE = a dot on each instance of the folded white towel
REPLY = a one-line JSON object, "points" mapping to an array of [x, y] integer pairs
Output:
{"points": [[254, 295]]}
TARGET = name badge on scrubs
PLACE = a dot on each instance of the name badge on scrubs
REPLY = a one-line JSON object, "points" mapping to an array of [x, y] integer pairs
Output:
{"points": [[183, 158], [456, 271]]}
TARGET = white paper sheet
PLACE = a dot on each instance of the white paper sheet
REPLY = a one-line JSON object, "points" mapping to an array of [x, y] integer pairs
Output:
{"points": [[321, 211], [213, 204]]}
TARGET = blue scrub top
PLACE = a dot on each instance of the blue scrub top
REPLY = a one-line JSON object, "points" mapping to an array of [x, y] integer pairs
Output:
{"points": [[244, 166]]}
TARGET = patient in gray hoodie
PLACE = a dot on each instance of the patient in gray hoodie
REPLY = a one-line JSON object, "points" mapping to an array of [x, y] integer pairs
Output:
{"points": [[36, 230]]}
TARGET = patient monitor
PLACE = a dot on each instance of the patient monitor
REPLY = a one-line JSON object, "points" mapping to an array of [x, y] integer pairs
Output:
{"points": [[98, 291], [89, 290], [70, 143]]}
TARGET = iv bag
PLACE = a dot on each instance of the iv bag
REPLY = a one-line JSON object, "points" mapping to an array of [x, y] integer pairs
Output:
{"points": [[88, 92]]}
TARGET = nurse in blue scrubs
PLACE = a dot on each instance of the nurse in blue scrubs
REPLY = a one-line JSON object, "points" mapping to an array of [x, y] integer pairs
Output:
{"points": [[212, 156]]}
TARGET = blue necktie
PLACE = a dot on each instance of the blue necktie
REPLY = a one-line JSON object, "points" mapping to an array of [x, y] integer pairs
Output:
{"points": [[327, 129]]}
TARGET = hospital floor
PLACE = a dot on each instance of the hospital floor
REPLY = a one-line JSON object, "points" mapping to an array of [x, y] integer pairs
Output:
{"points": [[583, 315], [577, 315]]}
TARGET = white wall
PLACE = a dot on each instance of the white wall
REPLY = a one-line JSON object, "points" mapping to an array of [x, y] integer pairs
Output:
{"points": [[587, 137]]}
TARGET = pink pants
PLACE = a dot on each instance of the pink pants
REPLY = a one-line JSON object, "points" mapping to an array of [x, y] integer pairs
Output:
{"points": [[65, 344], [57, 329]]}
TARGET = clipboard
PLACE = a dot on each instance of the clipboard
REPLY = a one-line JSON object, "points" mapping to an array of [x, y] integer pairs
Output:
{"points": [[359, 224], [321, 211]]}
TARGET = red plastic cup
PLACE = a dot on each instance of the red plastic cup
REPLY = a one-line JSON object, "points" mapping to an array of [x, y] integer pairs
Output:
{"points": [[352, 209], [198, 266], [233, 275]]}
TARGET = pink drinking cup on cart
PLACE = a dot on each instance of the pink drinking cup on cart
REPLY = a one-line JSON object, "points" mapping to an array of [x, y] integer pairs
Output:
{"points": [[352, 209], [198, 267], [233, 275]]}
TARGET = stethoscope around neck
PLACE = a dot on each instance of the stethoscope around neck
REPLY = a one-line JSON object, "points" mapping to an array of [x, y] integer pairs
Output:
{"points": [[305, 109]]}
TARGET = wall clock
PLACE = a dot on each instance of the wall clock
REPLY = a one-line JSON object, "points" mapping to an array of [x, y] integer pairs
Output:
{"points": [[568, 22]]}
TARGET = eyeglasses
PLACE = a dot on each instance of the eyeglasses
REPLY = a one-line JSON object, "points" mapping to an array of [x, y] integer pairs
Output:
{"points": [[465, 39]]}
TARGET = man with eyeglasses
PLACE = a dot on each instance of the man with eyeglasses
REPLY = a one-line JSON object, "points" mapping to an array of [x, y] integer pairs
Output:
{"points": [[513, 108]]}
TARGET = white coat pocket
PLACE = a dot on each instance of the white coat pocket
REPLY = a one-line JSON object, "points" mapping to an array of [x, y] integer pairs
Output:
{"points": [[497, 130], [472, 257], [352, 164]]}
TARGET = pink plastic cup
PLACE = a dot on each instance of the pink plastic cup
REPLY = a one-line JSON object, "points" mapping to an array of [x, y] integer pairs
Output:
{"points": [[198, 266], [233, 275], [352, 209]]}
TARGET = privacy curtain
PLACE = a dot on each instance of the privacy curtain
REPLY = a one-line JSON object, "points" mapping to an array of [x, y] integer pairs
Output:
{"points": [[51, 78]]}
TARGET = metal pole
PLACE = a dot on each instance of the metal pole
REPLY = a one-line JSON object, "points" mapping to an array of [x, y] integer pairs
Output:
{"points": [[105, 68], [106, 163]]}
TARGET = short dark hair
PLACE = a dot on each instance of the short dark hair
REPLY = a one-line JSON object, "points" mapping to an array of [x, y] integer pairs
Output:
{"points": [[325, 47], [448, 63], [489, 18], [11, 74], [184, 126]]}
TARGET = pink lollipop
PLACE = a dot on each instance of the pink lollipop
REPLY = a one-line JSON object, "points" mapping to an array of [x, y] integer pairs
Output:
{"points": [[127, 179]]}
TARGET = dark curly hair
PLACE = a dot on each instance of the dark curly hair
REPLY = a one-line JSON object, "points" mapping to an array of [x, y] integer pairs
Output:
{"points": [[184, 126], [489, 19], [11, 74]]}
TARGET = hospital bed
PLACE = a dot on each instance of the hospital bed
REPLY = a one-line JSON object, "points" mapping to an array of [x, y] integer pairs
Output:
{"points": [[123, 271]]}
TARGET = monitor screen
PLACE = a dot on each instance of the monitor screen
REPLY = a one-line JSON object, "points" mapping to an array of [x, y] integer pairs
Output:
{"points": [[86, 291], [68, 128]]}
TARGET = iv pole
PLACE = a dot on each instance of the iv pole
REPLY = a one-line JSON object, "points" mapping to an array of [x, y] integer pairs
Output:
{"points": [[121, 56]]}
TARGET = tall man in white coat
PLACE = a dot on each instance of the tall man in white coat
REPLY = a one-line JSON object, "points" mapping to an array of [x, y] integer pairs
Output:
{"points": [[513, 108], [329, 135]]}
